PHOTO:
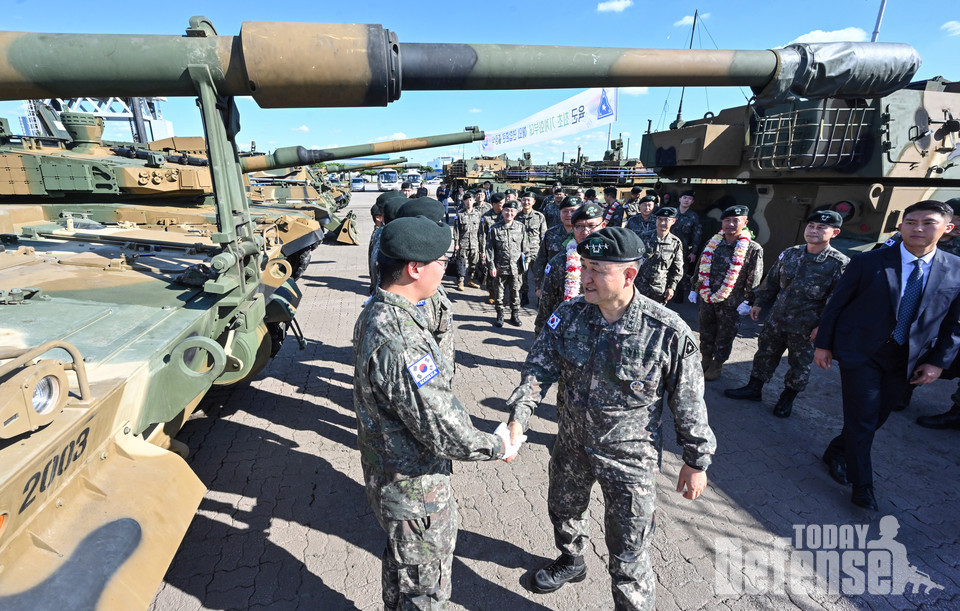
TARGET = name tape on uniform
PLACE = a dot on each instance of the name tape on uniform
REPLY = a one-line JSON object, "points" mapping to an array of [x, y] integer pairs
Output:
{"points": [[423, 370]]}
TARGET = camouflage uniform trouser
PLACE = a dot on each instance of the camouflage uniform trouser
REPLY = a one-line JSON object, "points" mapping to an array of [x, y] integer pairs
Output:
{"points": [[503, 283], [418, 559], [770, 346], [719, 324], [628, 522], [525, 276], [467, 263]]}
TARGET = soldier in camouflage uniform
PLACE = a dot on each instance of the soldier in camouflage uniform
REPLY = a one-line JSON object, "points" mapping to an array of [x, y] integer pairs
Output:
{"points": [[797, 288], [644, 222], [390, 202], [719, 316], [487, 220], [662, 268], [482, 204], [632, 203], [690, 231], [554, 241], [536, 226], [466, 244], [506, 243], [551, 206], [618, 354], [410, 425]]}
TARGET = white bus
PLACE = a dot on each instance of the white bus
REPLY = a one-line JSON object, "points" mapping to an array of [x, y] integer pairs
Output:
{"points": [[413, 177], [388, 180]]}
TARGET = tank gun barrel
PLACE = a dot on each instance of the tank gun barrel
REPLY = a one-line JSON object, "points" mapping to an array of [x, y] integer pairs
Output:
{"points": [[290, 65], [297, 155], [400, 162]]}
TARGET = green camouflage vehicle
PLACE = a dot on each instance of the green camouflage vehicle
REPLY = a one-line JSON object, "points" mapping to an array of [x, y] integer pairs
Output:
{"points": [[110, 340]]}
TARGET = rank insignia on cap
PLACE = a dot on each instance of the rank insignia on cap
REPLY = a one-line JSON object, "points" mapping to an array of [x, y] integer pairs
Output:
{"points": [[546, 270], [423, 370], [596, 247], [553, 321]]}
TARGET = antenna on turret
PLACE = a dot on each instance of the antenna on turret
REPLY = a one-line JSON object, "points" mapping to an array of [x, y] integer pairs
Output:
{"points": [[876, 28], [679, 122]]}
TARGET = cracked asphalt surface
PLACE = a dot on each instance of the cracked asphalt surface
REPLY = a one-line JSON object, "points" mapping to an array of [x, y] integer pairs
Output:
{"points": [[285, 523]]}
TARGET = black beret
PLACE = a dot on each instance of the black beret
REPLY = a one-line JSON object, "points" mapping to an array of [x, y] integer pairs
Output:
{"points": [[529, 194], [610, 191], [405, 185], [590, 211], [511, 204], [511, 191], [570, 201], [391, 209], [376, 209], [688, 192], [591, 193], [636, 190], [954, 204], [827, 217], [648, 198], [469, 194], [557, 185], [612, 244], [422, 206], [497, 197], [737, 210], [415, 239], [386, 196], [558, 189], [667, 211]]}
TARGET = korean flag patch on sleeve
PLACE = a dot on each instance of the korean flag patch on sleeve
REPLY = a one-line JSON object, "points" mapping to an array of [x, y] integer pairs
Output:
{"points": [[553, 321], [546, 270], [423, 370]]}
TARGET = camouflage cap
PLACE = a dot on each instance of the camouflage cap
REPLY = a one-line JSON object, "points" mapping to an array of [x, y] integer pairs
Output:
{"points": [[827, 217], [497, 197], [737, 210], [512, 204], [391, 208], [422, 206], [590, 211], [617, 244], [415, 239], [570, 201], [667, 211]]}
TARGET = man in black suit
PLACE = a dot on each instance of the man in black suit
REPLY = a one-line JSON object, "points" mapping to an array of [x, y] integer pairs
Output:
{"points": [[892, 321]]}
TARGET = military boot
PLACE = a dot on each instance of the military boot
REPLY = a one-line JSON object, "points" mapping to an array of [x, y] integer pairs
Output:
{"points": [[460, 284], [564, 569], [753, 391], [714, 370], [473, 285], [499, 322], [705, 361], [785, 403], [515, 320]]}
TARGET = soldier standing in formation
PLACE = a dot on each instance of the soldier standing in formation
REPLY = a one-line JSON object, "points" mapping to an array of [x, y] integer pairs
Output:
{"points": [[466, 246], [481, 202], [505, 245], [618, 354], [731, 267], [797, 288], [661, 271], [690, 232], [535, 225], [556, 238], [410, 425], [487, 220], [551, 206], [644, 223]]}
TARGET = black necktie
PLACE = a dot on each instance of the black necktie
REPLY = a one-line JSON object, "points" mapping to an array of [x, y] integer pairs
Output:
{"points": [[909, 303]]}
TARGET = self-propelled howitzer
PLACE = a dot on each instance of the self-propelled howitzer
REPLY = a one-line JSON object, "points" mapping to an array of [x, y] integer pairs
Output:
{"points": [[87, 471]]}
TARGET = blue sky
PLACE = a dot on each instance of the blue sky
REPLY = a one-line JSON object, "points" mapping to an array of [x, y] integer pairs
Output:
{"points": [[732, 24]]}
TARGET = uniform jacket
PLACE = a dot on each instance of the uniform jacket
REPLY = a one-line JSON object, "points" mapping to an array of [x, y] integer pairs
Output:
{"points": [[536, 225], [750, 273], [642, 227], [488, 219], [797, 287], [862, 312], [552, 243], [689, 230], [551, 296], [663, 266], [506, 247], [551, 211], [410, 425], [466, 229], [616, 376]]}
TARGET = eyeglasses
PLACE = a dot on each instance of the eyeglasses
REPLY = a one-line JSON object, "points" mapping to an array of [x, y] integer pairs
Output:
{"points": [[587, 227]]}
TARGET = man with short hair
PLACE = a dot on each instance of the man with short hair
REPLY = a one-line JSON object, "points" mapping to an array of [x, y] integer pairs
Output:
{"points": [[590, 195], [466, 244], [644, 223], [482, 202], [661, 270], [551, 206], [506, 243], [618, 354], [731, 267], [407, 189], [631, 204], [613, 212], [410, 426], [535, 225], [796, 288], [511, 195], [690, 231], [390, 203], [556, 238], [892, 321], [487, 220]]}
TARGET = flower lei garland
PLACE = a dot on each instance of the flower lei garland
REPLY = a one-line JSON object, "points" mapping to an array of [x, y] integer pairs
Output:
{"points": [[733, 272], [571, 282]]}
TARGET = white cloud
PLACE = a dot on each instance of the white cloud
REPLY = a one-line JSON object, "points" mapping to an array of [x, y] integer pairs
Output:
{"points": [[688, 20], [614, 6], [557, 142], [635, 90], [474, 110], [952, 28], [303, 129], [394, 136], [846, 34]]}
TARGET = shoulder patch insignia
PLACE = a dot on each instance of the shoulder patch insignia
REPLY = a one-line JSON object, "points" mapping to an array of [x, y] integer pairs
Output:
{"points": [[553, 321], [889, 242], [423, 370], [780, 258], [689, 348], [546, 270], [422, 302]]}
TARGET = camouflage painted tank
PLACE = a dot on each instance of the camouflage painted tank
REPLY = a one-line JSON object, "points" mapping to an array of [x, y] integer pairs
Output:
{"points": [[108, 345]]}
